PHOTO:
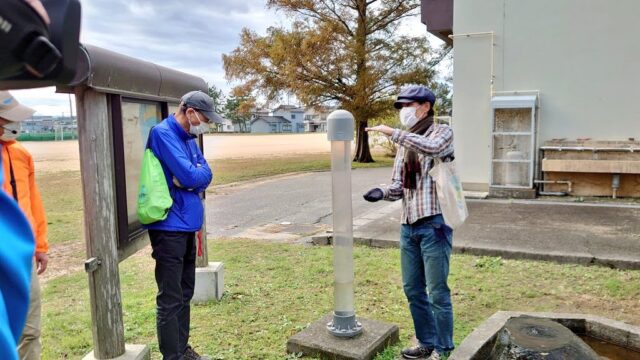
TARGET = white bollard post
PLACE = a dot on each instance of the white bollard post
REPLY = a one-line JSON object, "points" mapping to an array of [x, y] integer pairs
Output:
{"points": [[340, 133]]}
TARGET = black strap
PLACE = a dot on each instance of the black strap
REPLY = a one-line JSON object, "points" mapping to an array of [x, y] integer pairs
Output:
{"points": [[14, 187], [148, 145]]}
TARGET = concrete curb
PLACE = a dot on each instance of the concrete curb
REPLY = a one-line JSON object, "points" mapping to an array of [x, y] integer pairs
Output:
{"points": [[363, 235], [555, 203], [561, 258]]}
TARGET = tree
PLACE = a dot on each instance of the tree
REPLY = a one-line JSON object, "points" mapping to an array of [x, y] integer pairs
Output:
{"points": [[344, 52], [218, 99], [238, 110]]}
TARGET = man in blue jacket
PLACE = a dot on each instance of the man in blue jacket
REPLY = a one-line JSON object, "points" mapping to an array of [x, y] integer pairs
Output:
{"points": [[173, 142]]}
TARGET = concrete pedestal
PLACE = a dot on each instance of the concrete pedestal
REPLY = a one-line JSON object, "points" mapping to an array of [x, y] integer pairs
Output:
{"points": [[132, 352], [316, 341], [512, 193], [209, 283]]}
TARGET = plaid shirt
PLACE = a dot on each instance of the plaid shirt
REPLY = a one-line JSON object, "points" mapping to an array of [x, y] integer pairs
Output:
{"points": [[422, 201]]}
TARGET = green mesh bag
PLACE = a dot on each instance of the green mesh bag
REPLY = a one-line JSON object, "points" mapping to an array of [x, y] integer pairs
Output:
{"points": [[154, 199]]}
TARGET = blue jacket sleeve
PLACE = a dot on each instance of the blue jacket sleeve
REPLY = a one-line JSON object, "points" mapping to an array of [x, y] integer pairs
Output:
{"points": [[172, 154], [203, 162]]}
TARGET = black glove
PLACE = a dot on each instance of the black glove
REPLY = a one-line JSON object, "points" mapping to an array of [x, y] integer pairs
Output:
{"points": [[374, 195]]}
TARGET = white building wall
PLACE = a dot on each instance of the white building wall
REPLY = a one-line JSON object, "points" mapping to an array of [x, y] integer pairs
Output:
{"points": [[582, 55]]}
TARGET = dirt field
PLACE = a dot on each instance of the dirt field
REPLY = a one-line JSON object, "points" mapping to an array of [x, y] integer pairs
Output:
{"points": [[51, 156]]}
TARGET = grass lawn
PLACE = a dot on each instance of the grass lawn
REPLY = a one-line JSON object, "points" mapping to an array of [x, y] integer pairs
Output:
{"points": [[62, 196], [275, 290]]}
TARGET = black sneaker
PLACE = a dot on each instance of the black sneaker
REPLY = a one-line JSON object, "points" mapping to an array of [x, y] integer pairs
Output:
{"points": [[416, 352], [191, 354]]}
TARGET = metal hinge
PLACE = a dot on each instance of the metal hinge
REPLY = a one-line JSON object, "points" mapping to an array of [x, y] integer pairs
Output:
{"points": [[92, 264]]}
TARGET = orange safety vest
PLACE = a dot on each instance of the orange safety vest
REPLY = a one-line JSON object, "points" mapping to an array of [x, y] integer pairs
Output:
{"points": [[16, 157]]}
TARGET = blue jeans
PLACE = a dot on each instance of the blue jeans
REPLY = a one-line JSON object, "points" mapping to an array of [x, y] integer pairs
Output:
{"points": [[425, 249]]}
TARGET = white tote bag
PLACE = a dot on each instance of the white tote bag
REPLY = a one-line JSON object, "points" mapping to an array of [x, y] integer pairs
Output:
{"points": [[449, 190]]}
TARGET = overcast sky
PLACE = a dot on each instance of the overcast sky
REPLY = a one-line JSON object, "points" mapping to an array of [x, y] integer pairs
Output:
{"points": [[187, 35]]}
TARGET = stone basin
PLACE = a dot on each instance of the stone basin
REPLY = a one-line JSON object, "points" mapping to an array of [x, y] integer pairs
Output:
{"points": [[607, 337]]}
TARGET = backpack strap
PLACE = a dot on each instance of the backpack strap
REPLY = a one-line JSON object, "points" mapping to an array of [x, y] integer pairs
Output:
{"points": [[148, 145], [14, 187]]}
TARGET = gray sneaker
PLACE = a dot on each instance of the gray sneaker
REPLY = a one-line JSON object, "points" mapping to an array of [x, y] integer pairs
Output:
{"points": [[435, 355], [191, 354], [416, 352]]}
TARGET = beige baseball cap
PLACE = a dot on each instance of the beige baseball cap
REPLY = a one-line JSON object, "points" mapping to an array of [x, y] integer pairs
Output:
{"points": [[12, 110]]}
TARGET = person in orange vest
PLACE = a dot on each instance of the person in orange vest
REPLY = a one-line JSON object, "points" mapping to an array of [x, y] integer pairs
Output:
{"points": [[20, 183]]}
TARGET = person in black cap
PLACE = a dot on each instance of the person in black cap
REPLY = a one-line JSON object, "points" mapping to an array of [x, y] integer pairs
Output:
{"points": [[173, 239], [425, 240]]}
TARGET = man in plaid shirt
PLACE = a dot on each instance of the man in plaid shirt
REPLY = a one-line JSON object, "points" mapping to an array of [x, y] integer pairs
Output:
{"points": [[425, 240]]}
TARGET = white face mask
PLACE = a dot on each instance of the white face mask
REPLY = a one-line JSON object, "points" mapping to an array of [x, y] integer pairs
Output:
{"points": [[203, 128], [11, 131], [408, 116]]}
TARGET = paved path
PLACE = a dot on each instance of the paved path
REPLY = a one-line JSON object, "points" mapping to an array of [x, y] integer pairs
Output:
{"points": [[284, 208], [293, 207], [565, 232]]}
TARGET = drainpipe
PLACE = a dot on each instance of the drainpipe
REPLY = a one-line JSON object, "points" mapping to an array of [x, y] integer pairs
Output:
{"points": [[554, 193], [615, 184]]}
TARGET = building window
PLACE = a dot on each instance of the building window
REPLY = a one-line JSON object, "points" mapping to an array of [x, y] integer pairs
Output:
{"points": [[293, 116], [274, 127]]}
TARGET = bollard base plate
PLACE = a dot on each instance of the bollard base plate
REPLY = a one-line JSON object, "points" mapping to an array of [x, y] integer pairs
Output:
{"points": [[316, 341], [346, 326]]}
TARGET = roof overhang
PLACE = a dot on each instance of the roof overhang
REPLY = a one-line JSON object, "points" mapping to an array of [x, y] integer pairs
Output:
{"points": [[437, 15], [514, 102], [108, 71]]}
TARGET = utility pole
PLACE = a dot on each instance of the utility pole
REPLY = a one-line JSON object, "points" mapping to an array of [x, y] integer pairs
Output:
{"points": [[70, 108]]}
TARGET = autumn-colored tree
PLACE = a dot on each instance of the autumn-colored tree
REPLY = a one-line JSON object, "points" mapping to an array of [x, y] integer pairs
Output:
{"points": [[345, 52], [238, 110]]}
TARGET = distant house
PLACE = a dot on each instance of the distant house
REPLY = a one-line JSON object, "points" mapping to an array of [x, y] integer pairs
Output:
{"points": [[315, 118], [257, 112], [292, 113], [226, 126], [45, 123], [270, 124], [241, 128]]}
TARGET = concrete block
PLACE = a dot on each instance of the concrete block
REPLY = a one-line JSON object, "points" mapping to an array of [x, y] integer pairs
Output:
{"points": [[209, 283], [322, 240], [478, 344], [132, 352], [512, 193], [316, 341]]}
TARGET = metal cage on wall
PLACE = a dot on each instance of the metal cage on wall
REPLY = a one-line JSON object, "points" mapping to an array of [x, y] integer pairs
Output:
{"points": [[513, 142]]}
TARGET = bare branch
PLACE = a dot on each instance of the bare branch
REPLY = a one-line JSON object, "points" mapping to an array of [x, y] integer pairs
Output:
{"points": [[333, 10]]}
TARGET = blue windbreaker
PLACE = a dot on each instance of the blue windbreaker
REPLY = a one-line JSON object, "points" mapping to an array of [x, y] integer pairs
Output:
{"points": [[16, 257], [181, 158]]}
